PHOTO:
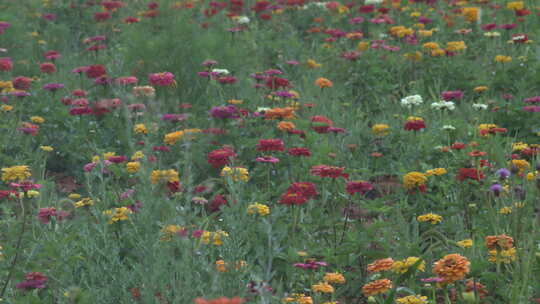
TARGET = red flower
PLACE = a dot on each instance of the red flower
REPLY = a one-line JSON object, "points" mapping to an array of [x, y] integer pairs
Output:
{"points": [[102, 16], [306, 189], [470, 173], [6, 64], [458, 146], [415, 125], [321, 124], [45, 214], [361, 187], [95, 71], [366, 9], [299, 151], [328, 171], [293, 198], [216, 203], [22, 83], [270, 145], [47, 67], [221, 157], [33, 280], [277, 82]]}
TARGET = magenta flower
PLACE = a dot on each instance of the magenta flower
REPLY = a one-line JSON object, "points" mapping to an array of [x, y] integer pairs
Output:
{"points": [[451, 95], [45, 214], [532, 109], [267, 159], [163, 79], [33, 280]]}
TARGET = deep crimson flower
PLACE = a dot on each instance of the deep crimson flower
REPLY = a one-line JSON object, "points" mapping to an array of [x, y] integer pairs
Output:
{"points": [[6, 64], [80, 111], [414, 125], [111, 5], [117, 159], [458, 146], [220, 157], [328, 171], [361, 187], [277, 82], [216, 203], [366, 9], [95, 71], [174, 187], [307, 189], [293, 198], [470, 173], [299, 151], [275, 144], [451, 95]]}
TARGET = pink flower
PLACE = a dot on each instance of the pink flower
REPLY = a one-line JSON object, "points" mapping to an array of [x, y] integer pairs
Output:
{"points": [[89, 167], [45, 214], [163, 79], [33, 280], [267, 159]]}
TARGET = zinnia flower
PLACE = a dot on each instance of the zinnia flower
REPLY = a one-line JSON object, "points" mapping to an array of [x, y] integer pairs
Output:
{"points": [[380, 265], [377, 287], [452, 267]]}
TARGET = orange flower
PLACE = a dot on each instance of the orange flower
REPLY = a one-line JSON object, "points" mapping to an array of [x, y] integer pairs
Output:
{"points": [[222, 300], [285, 126], [323, 83], [381, 265], [280, 113], [376, 287], [499, 242], [451, 268]]}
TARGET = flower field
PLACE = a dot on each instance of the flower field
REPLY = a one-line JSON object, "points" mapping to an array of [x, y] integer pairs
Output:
{"points": [[269, 151]]}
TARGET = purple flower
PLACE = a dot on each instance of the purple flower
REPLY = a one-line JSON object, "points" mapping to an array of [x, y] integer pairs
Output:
{"points": [[224, 112], [424, 20], [503, 173], [127, 194], [174, 117], [135, 207], [20, 94], [53, 86], [496, 189], [432, 280], [33, 280], [284, 94]]}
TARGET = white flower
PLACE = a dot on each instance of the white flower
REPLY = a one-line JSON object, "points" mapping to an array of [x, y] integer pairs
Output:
{"points": [[443, 105], [221, 71], [262, 109], [370, 2], [243, 20], [413, 100], [448, 128], [492, 34], [480, 106]]}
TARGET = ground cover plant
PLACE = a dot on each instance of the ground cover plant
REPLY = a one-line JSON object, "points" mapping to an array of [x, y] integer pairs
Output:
{"points": [[269, 151]]}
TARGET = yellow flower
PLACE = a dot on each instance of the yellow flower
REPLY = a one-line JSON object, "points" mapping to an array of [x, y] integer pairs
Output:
{"points": [[520, 164], [140, 129], [436, 172], [16, 173], [172, 138], [502, 58], [503, 256], [37, 119], [169, 231], [322, 287], [133, 167], [137, 155], [416, 299], [515, 5], [480, 89], [313, 64], [416, 56], [430, 46], [118, 214], [84, 202], [492, 34], [438, 53], [380, 129], [236, 173], [467, 243], [413, 180], [259, 209], [74, 196], [46, 148], [6, 108], [363, 46], [455, 46], [505, 210], [430, 217], [425, 33], [404, 265], [32, 193], [108, 155], [214, 237], [170, 176], [334, 278], [471, 14]]}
